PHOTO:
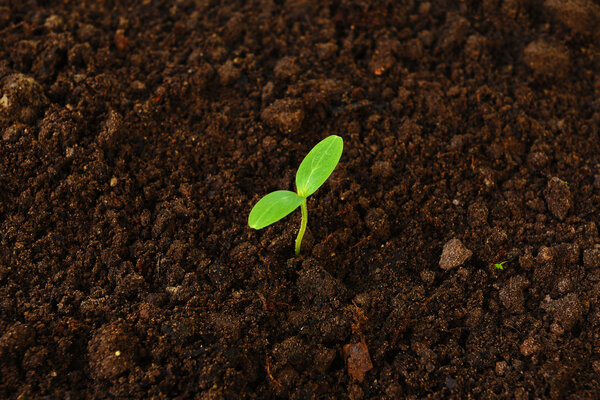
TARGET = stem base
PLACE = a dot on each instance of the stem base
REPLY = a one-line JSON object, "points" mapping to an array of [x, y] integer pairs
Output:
{"points": [[303, 223]]}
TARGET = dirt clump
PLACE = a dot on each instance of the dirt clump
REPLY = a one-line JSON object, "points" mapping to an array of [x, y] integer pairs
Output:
{"points": [[546, 59], [284, 114], [582, 16], [512, 294], [454, 254], [591, 258], [22, 100], [558, 197], [113, 350]]}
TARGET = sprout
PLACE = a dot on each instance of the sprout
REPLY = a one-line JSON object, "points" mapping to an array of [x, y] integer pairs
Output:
{"points": [[312, 173], [500, 266]]}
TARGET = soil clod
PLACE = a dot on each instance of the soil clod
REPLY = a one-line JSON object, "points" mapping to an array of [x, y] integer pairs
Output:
{"points": [[558, 197], [454, 254]]}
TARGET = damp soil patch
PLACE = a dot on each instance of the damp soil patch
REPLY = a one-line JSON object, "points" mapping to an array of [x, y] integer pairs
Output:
{"points": [[135, 137]]}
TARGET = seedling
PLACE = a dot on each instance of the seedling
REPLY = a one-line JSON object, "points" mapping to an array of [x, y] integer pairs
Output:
{"points": [[314, 170], [500, 266]]}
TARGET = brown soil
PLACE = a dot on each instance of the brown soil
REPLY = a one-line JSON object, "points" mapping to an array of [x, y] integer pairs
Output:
{"points": [[137, 135]]}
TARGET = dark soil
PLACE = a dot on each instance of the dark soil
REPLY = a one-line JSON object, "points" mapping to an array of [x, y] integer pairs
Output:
{"points": [[135, 136]]}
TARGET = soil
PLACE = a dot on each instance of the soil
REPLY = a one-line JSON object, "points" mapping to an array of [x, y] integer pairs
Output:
{"points": [[137, 135]]}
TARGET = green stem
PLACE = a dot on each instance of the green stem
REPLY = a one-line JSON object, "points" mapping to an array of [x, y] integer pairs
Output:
{"points": [[302, 227]]}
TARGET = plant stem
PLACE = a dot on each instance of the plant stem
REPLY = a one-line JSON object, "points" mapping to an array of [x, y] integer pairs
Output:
{"points": [[302, 227]]}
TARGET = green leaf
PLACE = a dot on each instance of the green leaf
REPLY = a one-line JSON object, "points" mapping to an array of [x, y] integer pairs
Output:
{"points": [[273, 207], [318, 165]]}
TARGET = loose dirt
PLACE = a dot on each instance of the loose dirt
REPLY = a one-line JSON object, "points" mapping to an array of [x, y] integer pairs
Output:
{"points": [[135, 136]]}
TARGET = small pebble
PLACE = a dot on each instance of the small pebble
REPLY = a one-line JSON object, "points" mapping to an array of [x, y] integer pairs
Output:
{"points": [[454, 254]]}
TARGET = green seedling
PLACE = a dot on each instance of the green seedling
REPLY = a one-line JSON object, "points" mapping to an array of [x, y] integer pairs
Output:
{"points": [[500, 266], [314, 170]]}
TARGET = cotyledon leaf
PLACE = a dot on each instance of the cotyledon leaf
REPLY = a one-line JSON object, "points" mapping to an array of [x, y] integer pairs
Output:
{"points": [[318, 164], [273, 207]]}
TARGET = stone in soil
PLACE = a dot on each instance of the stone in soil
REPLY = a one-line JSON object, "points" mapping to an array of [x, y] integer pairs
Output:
{"points": [[454, 254]]}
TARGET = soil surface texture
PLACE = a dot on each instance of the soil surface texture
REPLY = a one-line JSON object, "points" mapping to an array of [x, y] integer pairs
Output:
{"points": [[135, 136]]}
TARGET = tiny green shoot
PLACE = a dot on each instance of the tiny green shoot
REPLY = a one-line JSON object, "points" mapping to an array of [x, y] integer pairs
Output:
{"points": [[314, 170], [500, 266]]}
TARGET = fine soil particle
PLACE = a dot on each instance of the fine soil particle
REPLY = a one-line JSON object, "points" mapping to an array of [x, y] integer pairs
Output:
{"points": [[135, 136]]}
